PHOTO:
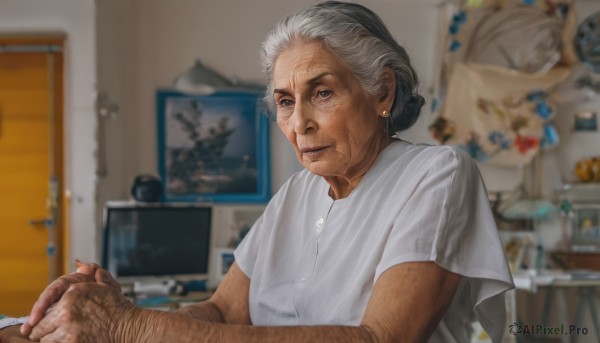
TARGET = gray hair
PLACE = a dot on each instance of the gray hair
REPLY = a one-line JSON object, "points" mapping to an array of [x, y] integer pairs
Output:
{"points": [[359, 38]]}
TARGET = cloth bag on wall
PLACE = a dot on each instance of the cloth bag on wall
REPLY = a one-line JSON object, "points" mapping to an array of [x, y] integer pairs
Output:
{"points": [[499, 65], [508, 33], [498, 115]]}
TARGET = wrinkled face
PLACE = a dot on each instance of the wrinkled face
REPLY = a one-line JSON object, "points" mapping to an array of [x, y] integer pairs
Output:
{"points": [[324, 112]]}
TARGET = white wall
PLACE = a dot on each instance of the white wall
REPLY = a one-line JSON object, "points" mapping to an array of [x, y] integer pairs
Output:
{"points": [[76, 19]]}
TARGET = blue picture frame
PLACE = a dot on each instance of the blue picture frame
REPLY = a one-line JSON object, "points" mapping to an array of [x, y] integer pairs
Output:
{"points": [[213, 148]]}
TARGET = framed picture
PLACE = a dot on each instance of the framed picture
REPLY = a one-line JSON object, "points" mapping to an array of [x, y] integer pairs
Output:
{"points": [[212, 148], [586, 121], [585, 227], [221, 261]]}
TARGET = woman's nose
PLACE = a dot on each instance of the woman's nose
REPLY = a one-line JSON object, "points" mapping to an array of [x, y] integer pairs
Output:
{"points": [[303, 119]]}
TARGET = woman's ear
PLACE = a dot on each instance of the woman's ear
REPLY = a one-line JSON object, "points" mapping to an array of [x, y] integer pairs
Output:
{"points": [[386, 100]]}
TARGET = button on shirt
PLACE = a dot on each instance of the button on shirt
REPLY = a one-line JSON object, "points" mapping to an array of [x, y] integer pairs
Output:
{"points": [[313, 261], [319, 225]]}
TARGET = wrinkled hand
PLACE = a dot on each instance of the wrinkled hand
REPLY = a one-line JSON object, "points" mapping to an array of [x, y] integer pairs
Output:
{"points": [[86, 272], [87, 312]]}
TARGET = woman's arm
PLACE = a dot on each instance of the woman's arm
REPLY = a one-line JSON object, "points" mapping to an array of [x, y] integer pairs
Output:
{"points": [[407, 303], [228, 305], [9, 334]]}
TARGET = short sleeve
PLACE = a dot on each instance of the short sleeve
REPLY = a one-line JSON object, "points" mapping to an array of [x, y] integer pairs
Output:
{"points": [[448, 220], [246, 253]]}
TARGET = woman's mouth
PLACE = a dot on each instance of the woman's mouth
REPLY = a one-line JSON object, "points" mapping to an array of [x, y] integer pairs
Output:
{"points": [[313, 152]]}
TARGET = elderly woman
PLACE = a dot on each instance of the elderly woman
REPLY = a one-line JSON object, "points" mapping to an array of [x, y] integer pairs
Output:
{"points": [[377, 240]]}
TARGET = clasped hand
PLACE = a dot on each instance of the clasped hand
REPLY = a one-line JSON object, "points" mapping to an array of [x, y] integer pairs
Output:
{"points": [[85, 306]]}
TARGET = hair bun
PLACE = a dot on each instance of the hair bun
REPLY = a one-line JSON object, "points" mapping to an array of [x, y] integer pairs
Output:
{"points": [[413, 105], [409, 115]]}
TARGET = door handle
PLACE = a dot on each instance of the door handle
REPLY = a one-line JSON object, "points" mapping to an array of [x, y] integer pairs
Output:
{"points": [[48, 222]]}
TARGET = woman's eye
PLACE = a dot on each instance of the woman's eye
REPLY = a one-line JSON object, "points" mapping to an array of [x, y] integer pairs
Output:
{"points": [[324, 94], [285, 102]]}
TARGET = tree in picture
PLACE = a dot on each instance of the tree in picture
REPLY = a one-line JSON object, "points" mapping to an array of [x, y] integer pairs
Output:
{"points": [[195, 168]]}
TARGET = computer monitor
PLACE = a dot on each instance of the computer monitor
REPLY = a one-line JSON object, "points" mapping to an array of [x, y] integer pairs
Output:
{"points": [[156, 241]]}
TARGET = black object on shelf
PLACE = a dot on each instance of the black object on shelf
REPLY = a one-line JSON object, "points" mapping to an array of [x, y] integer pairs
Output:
{"points": [[146, 188]]}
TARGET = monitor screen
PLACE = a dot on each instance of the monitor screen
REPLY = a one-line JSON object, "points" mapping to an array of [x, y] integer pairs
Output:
{"points": [[156, 240]]}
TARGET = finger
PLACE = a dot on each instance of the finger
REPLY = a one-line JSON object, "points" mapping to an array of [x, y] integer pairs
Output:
{"points": [[26, 329], [104, 276], [58, 336], [60, 315], [51, 295], [86, 268], [56, 326], [45, 327]]}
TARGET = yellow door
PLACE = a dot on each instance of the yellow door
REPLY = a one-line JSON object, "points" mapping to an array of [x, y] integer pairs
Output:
{"points": [[30, 170]]}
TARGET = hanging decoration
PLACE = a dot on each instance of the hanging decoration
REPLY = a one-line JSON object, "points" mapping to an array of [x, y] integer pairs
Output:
{"points": [[502, 63]]}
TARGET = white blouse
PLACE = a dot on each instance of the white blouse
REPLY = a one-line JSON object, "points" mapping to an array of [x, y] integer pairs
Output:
{"points": [[314, 261]]}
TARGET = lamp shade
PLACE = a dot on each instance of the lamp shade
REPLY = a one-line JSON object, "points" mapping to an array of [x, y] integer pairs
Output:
{"points": [[201, 80]]}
